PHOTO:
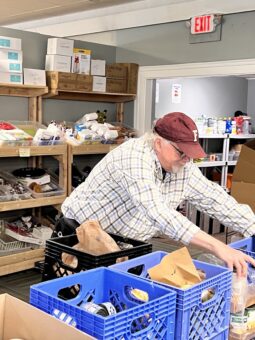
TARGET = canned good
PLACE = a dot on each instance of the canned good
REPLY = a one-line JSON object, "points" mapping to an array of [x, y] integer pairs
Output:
{"points": [[103, 309]]}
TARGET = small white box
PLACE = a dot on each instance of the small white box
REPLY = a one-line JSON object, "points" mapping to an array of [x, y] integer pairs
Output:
{"points": [[10, 66], [99, 84], [97, 67], [81, 61], [11, 78], [10, 43], [60, 46], [34, 77], [12, 55], [56, 62]]}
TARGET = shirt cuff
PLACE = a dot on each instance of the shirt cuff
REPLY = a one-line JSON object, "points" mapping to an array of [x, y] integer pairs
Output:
{"points": [[192, 231], [250, 231]]}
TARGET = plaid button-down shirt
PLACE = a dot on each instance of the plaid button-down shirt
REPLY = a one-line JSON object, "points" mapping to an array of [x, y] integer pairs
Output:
{"points": [[128, 194]]}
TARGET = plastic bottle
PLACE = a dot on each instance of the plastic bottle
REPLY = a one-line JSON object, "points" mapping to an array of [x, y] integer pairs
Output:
{"points": [[233, 127], [228, 125]]}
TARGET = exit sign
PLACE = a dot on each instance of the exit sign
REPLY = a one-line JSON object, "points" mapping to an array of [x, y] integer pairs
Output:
{"points": [[203, 24]]}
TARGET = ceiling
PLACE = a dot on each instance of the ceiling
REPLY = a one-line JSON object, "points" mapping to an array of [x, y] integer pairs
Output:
{"points": [[14, 11]]}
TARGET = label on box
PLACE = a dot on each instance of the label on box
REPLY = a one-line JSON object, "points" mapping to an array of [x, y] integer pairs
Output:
{"points": [[5, 42], [15, 78], [97, 67], [13, 55], [99, 84], [15, 67], [24, 152]]}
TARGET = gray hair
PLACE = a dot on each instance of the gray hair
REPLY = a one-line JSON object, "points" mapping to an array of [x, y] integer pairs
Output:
{"points": [[150, 137]]}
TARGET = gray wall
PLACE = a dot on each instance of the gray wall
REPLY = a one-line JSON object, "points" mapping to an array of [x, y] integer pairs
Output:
{"points": [[166, 44], [251, 101], [213, 97]]}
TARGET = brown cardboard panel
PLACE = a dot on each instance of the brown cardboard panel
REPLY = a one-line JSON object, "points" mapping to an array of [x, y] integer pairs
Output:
{"points": [[244, 193], [245, 168], [21, 320]]}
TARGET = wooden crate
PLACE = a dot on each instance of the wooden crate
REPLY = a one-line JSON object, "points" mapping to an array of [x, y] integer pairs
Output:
{"points": [[116, 71], [68, 81], [115, 85]]}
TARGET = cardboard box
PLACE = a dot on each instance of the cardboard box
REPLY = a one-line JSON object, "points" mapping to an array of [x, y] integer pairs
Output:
{"points": [[99, 84], [115, 85], [60, 46], [11, 78], [116, 71], [10, 66], [81, 61], [243, 183], [34, 77], [19, 320], [54, 62], [13, 55], [68, 81], [97, 67], [10, 43]]}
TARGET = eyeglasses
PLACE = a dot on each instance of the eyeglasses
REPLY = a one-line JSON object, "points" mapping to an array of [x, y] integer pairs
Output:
{"points": [[181, 153]]}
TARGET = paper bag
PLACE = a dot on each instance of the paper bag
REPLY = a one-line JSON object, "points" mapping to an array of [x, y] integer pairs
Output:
{"points": [[176, 269]]}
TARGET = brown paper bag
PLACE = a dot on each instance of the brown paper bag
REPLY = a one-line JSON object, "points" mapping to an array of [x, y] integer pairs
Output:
{"points": [[176, 269]]}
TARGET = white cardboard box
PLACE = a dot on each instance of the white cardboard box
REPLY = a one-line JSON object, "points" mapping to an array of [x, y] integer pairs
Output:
{"points": [[97, 67], [13, 55], [10, 66], [60, 46], [19, 320], [55, 62], [99, 84], [34, 77], [10, 43], [11, 78]]}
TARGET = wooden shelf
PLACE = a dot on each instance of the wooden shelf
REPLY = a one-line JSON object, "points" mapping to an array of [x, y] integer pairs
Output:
{"points": [[31, 203], [90, 96], [89, 149], [28, 151], [22, 90], [210, 164]]}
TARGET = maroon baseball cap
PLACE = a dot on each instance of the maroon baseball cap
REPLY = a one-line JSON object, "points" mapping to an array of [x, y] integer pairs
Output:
{"points": [[180, 129]]}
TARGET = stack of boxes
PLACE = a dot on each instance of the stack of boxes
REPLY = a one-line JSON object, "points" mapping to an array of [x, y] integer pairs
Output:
{"points": [[10, 60], [89, 75]]}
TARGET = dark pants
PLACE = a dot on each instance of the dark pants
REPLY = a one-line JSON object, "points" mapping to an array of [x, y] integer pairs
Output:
{"points": [[65, 226]]}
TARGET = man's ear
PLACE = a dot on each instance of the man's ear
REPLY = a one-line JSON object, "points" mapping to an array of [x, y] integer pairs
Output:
{"points": [[157, 144]]}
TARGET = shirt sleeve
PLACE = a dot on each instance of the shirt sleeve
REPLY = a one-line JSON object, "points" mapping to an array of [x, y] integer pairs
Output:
{"points": [[145, 194], [213, 200]]}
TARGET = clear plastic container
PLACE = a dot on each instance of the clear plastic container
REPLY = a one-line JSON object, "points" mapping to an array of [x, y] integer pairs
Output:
{"points": [[47, 190], [11, 189]]}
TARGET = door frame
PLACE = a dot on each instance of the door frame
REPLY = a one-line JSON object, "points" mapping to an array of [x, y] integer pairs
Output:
{"points": [[143, 102]]}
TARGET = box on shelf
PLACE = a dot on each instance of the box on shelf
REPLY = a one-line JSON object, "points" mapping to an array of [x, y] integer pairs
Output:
{"points": [[11, 78], [68, 81], [97, 67], [115, 85], [20, 320], [6, 54], [81, 61], [116, 71], [195, 319], [60, 46], [54, 62], [34, 77], [54, 267], [99, 84], [10, 43], [10, 66], [243, 182], [130, 318]]}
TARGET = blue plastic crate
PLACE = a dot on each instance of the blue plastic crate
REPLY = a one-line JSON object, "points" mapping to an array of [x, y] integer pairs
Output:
{"points": [[154, 319], [247, 245], [194, 319]]}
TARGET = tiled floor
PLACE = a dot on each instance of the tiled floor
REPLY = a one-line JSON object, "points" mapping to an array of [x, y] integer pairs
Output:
{"points": [[18, 284]]}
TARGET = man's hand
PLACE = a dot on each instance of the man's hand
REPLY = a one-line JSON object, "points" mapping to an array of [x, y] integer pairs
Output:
{"points": [[233, 258]]}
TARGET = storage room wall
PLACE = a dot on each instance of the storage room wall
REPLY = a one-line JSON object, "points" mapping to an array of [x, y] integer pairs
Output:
{"points": [[212, 97]]}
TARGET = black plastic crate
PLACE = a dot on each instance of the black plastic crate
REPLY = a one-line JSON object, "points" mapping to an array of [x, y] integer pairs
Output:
{"points": [[55, 247]]}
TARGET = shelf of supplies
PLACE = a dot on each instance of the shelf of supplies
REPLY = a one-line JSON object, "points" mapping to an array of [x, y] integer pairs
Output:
{"points": [[90, 96], [28, 91], [31, 203], [250, 136], [210, 164]]}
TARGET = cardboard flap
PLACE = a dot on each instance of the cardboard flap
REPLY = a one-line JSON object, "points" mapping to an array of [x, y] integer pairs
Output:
{"points": [[176, 269], [244, 193], [245, 167]]}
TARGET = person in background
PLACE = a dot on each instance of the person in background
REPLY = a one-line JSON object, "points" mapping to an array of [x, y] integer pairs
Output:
{"points": [[135, 190]]}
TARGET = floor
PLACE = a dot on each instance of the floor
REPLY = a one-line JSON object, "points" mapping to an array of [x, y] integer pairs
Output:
{"points": [[18, 284]]}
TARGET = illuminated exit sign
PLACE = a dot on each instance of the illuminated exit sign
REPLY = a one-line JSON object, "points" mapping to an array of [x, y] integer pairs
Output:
{"points": [[203, 24]]}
